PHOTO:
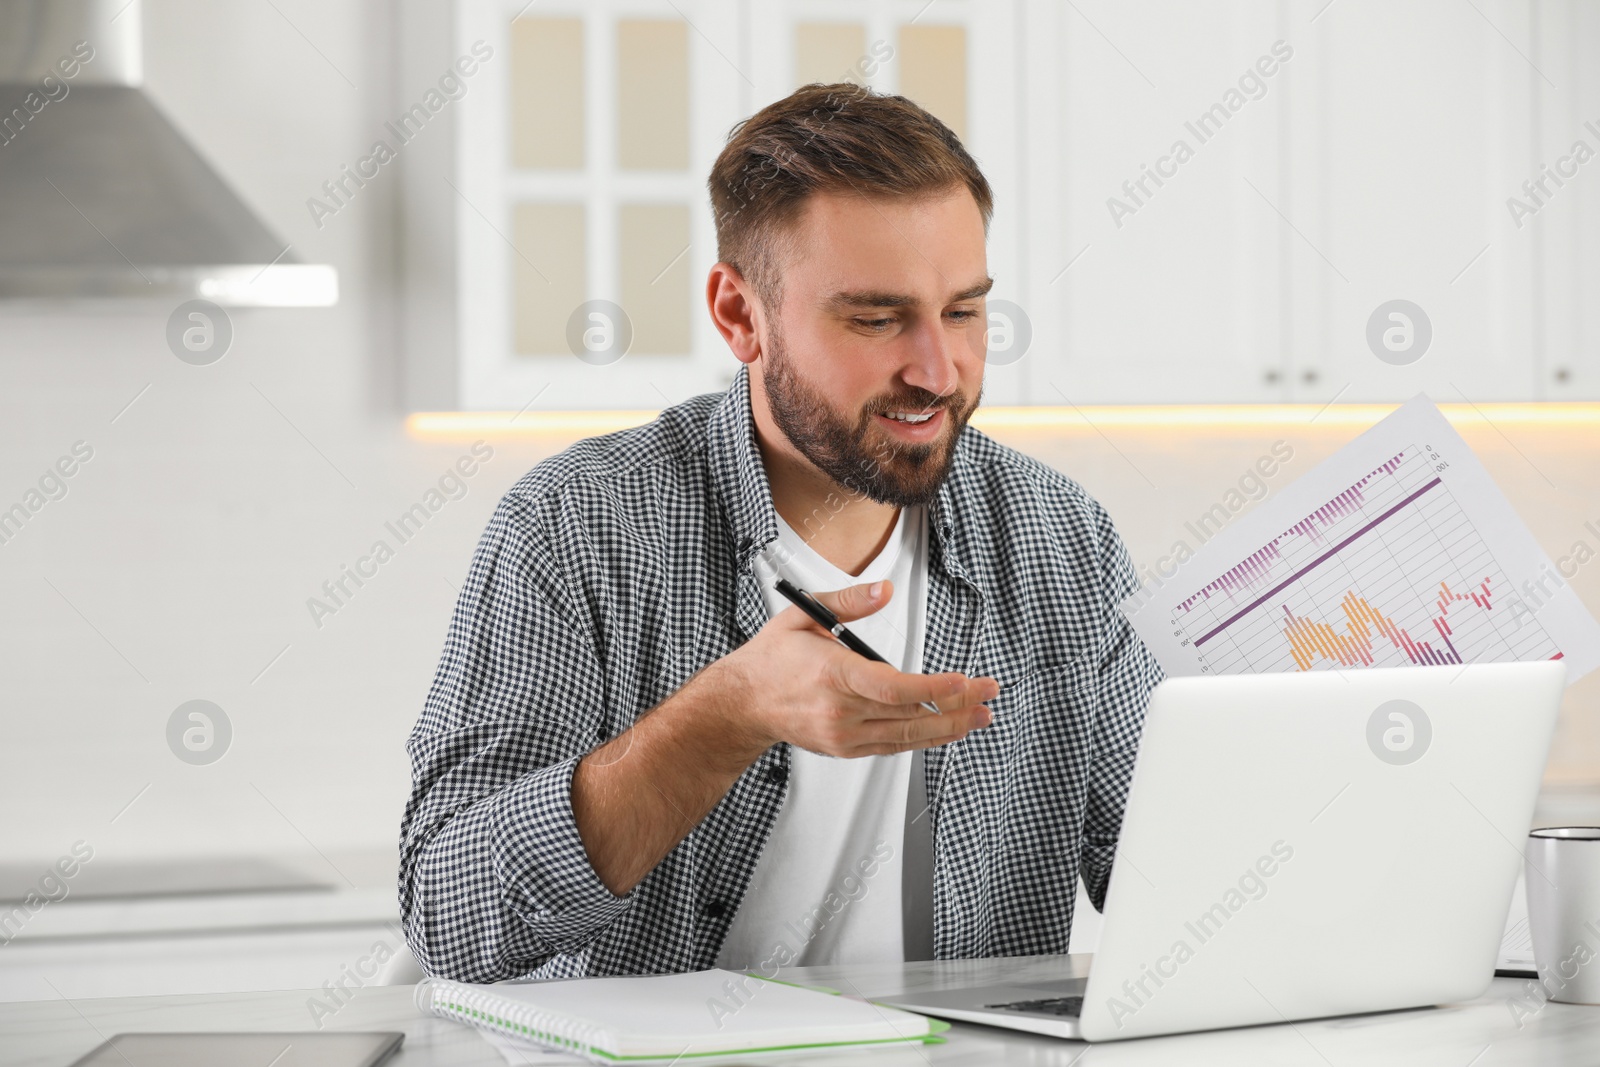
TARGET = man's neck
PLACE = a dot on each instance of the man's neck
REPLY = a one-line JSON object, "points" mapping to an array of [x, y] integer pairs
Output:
{"points": [[841, 525]]}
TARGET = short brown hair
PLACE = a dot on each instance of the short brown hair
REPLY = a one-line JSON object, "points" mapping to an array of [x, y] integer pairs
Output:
{"points": [[840, 138]]}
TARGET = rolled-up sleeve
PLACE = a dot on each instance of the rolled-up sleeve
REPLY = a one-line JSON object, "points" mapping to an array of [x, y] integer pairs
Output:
{"points": [[494, 878], [1126, 673]]}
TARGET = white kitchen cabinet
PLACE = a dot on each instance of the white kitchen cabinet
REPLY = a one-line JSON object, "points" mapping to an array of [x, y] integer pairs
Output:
{"points": [[1566, 291], [1377, 167], [1334, 158], [1410, 127], [489, 235], [203, 943], [1173, 290], [202, 963]]}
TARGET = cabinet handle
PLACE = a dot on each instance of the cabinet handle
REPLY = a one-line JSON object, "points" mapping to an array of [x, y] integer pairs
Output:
{"points": [[1309, 376]]}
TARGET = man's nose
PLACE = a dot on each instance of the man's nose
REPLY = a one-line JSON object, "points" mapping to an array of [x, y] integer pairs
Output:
{"points": [[933, 361]]}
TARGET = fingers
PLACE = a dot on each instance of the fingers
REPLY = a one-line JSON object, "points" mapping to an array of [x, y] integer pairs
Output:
{"points": [[890, 750], [849, 705], [881, 684], [927, 729], [853, 601], [886, 737]]}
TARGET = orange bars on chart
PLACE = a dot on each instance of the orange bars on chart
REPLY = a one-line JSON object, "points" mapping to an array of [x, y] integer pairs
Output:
{"points": [[1353, 648]]}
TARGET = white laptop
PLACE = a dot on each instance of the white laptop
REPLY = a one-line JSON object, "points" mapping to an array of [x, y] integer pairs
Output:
{"points": [[1304, 845]]}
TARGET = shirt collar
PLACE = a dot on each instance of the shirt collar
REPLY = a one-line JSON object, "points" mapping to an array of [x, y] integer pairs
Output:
{"points": [[740, 478], [737, 473]]}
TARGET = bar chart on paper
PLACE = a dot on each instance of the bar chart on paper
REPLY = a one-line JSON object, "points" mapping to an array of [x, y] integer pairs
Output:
{"points": [[1397, 551]]}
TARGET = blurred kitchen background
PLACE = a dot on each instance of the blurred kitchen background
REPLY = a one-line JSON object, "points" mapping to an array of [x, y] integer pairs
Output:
{"points": [[384, 311]]}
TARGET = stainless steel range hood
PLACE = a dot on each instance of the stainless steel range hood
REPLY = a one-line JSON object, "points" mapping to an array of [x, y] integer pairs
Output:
{"points": [[100, 196]]}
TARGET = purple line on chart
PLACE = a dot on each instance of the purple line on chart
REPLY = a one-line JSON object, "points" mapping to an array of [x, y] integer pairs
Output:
{"points": [[1236, 616]]}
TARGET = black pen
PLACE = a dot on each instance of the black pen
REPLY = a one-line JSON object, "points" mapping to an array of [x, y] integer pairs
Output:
{"points": [[830, 622]]}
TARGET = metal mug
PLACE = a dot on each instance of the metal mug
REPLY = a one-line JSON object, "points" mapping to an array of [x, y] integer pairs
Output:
{"points": [[1563, 877]]}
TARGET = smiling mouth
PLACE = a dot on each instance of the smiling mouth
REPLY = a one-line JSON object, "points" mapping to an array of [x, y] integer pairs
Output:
{"points": [[914, 425]]}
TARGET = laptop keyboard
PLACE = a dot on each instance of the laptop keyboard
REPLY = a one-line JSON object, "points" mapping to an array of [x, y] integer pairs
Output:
{"points": [[1052, 1006]]}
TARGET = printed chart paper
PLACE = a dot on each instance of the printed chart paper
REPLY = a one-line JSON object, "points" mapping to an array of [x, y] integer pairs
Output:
{"points": [[1399, 549]]}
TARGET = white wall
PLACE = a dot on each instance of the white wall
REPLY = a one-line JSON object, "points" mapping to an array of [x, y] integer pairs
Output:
{"points": [[214, 506]]}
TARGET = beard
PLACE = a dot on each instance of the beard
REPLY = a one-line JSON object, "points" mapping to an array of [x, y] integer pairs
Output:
{"points": [[863, 457]]}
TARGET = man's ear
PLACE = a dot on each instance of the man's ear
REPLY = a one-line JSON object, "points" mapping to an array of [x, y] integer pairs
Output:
{"points": [[734, 311]]}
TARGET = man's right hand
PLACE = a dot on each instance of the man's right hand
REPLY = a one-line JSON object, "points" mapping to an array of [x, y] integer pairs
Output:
{"points": [[636, 796], [795, 682]]}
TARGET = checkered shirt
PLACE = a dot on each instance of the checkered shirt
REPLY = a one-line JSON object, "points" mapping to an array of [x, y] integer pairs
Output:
{"points": [[612, 572]]}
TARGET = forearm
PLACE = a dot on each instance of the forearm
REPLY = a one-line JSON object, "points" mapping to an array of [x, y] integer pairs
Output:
{"points": [[501, 884], [635, 797]]}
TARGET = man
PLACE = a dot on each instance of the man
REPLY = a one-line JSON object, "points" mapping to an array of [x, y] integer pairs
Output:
{"points": [[638, 757]]}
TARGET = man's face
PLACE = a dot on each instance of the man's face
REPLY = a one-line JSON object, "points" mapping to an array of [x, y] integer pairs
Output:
{"points": [[882, 311]]}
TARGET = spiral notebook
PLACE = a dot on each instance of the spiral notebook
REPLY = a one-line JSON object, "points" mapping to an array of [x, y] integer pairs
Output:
{"points": [[697, 1017]]}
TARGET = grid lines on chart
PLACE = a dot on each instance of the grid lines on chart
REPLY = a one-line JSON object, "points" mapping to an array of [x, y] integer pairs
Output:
{"points": [[1389, 572]]}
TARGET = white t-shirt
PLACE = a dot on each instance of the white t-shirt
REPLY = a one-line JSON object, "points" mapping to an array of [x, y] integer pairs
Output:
{"points": [[827, 886]]}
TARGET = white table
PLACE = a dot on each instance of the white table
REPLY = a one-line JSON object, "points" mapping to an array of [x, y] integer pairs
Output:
{"points": [[1482, 1033]]}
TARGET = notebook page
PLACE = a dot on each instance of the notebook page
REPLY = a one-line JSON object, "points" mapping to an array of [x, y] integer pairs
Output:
{"points": [[713, 1010]]}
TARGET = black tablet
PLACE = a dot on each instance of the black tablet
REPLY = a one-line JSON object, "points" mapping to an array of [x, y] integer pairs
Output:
{"points": [[287, 1049]]}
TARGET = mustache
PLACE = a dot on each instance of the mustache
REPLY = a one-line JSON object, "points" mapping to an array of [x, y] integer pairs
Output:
{"points": [[922, 407]]}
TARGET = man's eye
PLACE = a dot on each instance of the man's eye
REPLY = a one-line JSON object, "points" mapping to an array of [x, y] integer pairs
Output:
{"points": [[876, 325], [965, 316]]}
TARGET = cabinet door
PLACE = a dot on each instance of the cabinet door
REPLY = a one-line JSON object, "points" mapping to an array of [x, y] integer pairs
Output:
{"points": [[1165, 282], [1408, 131], [577, 192], [1565, 138]]}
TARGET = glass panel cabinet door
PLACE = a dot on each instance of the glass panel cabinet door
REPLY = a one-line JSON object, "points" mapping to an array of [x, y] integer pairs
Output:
{"points": [[577, 224]]}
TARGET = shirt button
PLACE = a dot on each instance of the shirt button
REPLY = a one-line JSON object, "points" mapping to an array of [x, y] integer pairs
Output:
{"points": [[777, 774], [715, 909]]}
